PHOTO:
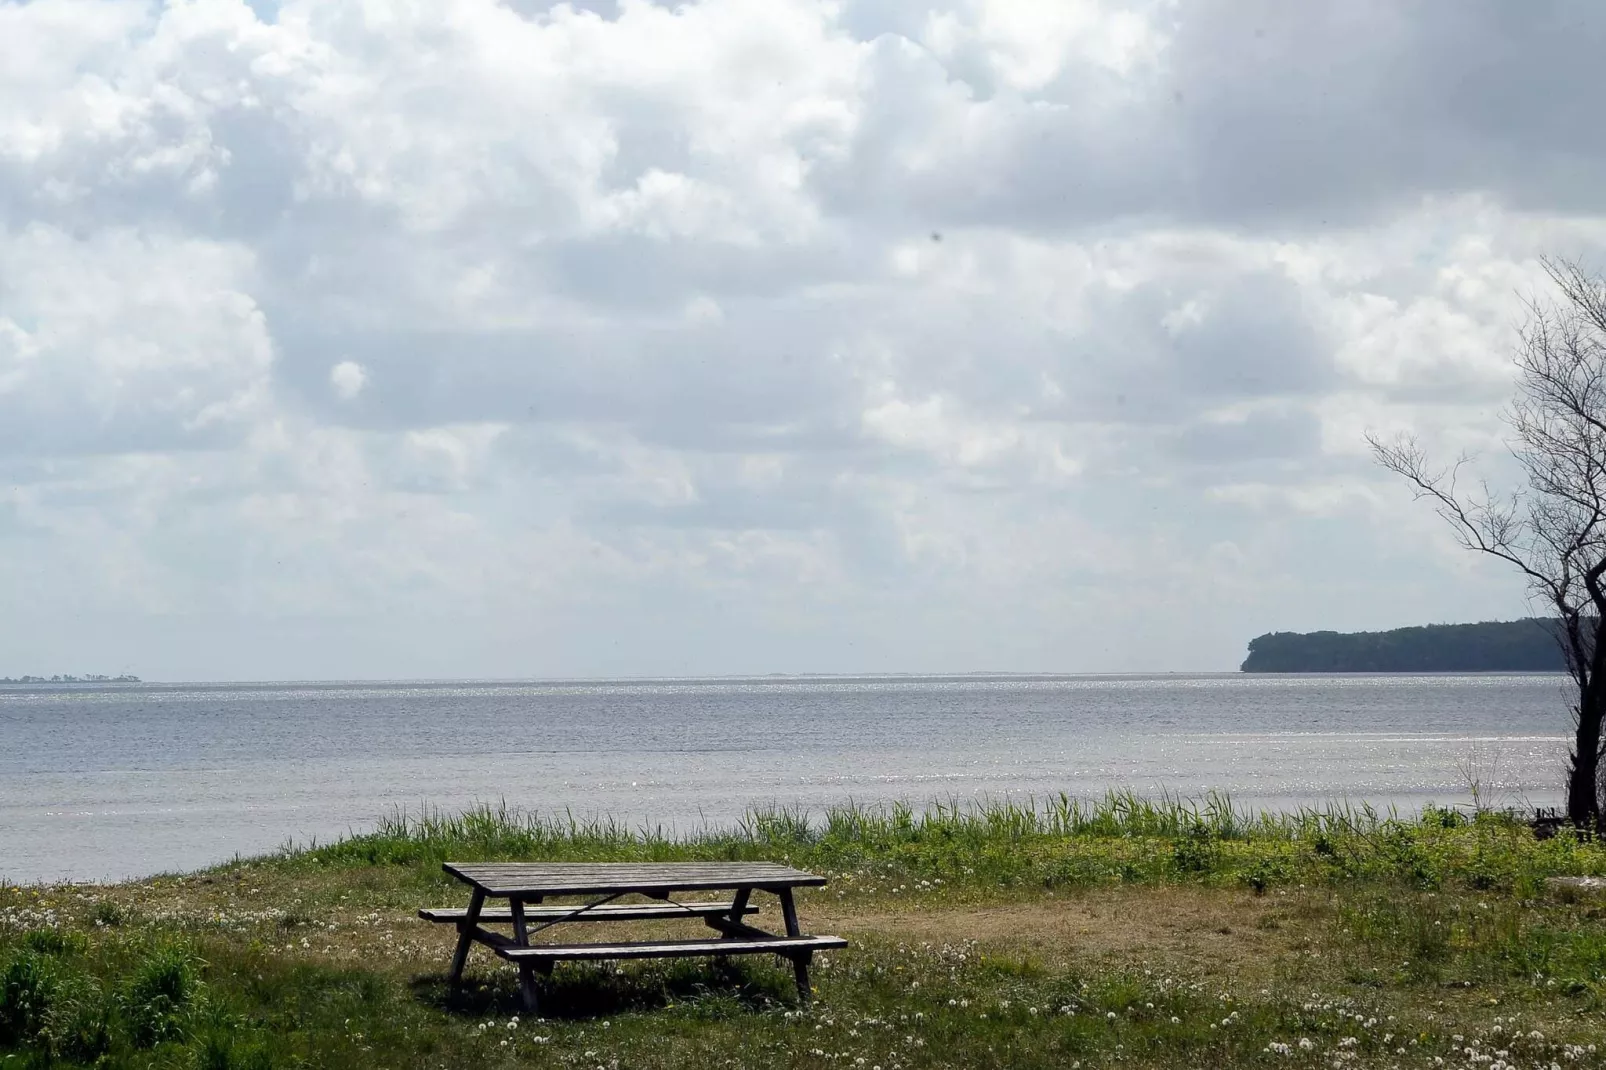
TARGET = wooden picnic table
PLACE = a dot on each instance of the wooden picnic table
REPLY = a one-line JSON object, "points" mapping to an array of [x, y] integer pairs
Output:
{"points": [[526, 885]]}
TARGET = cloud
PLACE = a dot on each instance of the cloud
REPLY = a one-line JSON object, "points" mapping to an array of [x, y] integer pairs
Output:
{"points": [[347, 379], [126, 340], [757, 334]]}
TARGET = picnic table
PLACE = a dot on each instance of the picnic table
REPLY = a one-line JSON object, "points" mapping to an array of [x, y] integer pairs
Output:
{"points": [[527, 885]]}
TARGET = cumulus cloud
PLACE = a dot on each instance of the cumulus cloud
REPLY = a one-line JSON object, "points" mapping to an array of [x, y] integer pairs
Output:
{"points": [[756, 334], [347, 379], [125, 340]]}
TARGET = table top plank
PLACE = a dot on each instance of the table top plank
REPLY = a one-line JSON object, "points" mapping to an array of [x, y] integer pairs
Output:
{"points": [[581, 878]]}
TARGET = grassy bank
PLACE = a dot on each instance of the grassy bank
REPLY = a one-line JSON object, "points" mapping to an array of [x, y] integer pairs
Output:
{"points": [[1125, 932]]}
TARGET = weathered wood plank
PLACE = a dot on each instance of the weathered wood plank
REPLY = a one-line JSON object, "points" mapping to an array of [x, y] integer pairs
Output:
{"points": [[773, 945], [655, 878], [610, 912]]}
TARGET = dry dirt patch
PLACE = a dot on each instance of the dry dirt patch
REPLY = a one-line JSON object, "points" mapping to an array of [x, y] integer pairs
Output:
{"points": [[1219, 930]]}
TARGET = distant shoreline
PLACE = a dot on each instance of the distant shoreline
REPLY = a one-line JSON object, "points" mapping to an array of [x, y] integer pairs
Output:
{"points": [[87, 678]]}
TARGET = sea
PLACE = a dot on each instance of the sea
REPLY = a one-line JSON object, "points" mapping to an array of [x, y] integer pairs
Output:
{"points": [[105, 782]]}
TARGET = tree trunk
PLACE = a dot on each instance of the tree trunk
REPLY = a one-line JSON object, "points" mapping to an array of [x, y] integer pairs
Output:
{"points": [[1583, 784]]}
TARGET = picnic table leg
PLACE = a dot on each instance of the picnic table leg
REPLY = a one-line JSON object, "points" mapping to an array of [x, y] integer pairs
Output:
{"points": [[527, 994], [465, 935], [800, 960], [521, 928], [521, 934], [527, 991], [738, 913], [739, 904], [789, 911], [800, 970]]}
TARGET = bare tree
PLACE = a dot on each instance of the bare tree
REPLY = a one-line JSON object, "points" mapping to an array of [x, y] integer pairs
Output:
{"points": [[1554, 529]]}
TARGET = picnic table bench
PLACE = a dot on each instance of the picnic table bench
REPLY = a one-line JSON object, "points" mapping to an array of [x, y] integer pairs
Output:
{"points": [[526, 885]]}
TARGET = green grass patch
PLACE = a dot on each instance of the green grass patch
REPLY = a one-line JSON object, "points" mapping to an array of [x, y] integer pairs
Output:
{"points": [[1125, 932]]}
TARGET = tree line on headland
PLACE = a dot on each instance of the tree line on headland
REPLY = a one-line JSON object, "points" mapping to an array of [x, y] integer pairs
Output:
{"points": [[1527, 645]]}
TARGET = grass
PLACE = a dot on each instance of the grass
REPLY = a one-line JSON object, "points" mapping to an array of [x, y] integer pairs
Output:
{"points": [[1122, 932]]}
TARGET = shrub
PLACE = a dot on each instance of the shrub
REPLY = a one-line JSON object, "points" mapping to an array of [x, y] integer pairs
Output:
{"points": [[1443, 817], [108, 914], [1195, 850], [58, 943], [27, 986], [159, 995], [1399, 846], [224, 1049], [1262, 871], [78, 1021]]}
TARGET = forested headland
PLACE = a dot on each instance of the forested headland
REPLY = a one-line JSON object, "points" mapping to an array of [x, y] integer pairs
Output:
{"points": [[1527, 645]]}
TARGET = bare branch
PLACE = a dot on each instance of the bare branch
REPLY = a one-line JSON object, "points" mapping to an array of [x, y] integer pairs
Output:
{"points": [[1482, 526], [1554, 529]]}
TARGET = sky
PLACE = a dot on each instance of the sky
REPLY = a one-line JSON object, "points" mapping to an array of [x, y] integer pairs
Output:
{"points": [[452, 338]]}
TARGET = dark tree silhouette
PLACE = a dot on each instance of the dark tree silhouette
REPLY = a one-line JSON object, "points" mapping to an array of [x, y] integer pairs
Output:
{"points": [[1553, 529]]}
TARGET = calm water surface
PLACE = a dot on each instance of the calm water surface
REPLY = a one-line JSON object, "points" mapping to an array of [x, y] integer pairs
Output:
{"points": [[110, 782]]}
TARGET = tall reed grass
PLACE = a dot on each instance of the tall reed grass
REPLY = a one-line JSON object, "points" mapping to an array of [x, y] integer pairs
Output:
{"points": [[1122, 837]]}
